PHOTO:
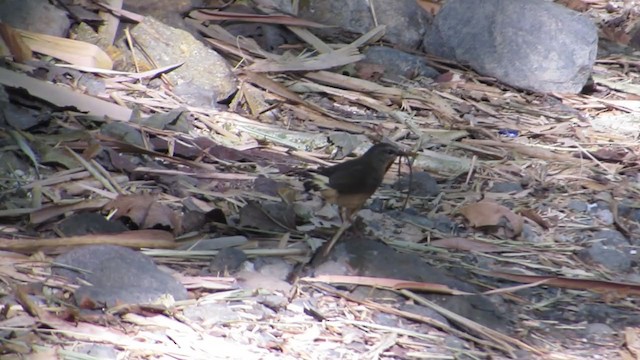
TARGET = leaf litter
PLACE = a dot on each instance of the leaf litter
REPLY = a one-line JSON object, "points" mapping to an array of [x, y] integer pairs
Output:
{"points": [[153, 170]]}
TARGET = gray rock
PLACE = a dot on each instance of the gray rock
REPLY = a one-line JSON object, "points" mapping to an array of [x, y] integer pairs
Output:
{"points": [[211, 313], [364, 258], [19, 117], [405, 20], [605, 216], [274, 302], [611, 237], [578, 205], [205, 77], [530, 44], [98, 351], [529, 235], [610, 257], [273, 267], [384, 319], [118, 275], [398, 65], [426, 312], [228, 260], [217, 243], [506, 187], [422, 184], [36, 15], [457, 347], [270, 37], [599, 332]]}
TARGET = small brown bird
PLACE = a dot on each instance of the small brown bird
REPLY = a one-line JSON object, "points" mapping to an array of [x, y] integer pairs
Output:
{"points": [[351, 183]]}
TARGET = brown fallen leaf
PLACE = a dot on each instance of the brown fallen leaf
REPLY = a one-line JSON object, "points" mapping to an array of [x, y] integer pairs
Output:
{"points": [[488, 213], [609, 154], [20, 51], [21, 293], [535, 217], [598, 286], [145, 211]]}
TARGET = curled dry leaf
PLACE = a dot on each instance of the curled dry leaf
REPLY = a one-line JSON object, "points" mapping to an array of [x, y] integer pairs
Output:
{"points": [[465, 244], [487, 213], [145, 211]]}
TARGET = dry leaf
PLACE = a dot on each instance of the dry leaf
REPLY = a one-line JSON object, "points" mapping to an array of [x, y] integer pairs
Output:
{"points": [[72, 51], [20, 51], [535, 217], [488, 213], [145, 211], [467, 245], [632, 340]]}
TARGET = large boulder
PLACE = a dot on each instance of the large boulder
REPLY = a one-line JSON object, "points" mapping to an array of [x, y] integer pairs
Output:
{"points": [[405, 19], [530, 44]]}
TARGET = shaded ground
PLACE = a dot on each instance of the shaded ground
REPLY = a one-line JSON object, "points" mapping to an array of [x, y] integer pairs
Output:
{"points": [[569, 177]]}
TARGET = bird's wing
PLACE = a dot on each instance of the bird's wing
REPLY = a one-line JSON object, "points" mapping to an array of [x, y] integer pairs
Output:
{"points": [[358, 179]]}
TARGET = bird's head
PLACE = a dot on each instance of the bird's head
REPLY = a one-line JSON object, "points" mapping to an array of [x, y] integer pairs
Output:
{"points": [[384, 153]]}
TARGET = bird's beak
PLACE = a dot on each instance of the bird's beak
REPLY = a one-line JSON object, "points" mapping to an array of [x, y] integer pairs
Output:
{"points": [[408, 153]]}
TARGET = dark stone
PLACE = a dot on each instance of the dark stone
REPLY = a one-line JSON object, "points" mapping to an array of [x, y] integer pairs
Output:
{"points": [[611, 257], [578, 205], [399, 65], [119, 275], [506, 187], [266, 186], [37, 16], [364, 258], [228, 260], [89, 223], [426, 312], [405, 19], [422, 184], [535, 45]]}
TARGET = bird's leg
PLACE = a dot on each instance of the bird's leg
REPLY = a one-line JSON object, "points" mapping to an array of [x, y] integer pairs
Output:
{"points": [[346, 216], [345, 225]]}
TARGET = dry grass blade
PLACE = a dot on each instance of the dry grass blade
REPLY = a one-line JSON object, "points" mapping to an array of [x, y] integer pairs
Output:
{"points": [[263, 19], [41, 215], [319, 62], [25, 147], [244, 44], [311, 39], [395, 284], [64, 97], [409, 315], [598, 286], [209, 253], [93, 171], [72, 51], [135, 239], [126, 76], [503, 341], [110, 26]]}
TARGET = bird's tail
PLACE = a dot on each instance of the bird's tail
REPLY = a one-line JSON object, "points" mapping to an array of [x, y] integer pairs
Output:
{"points": [[314, 181]]}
